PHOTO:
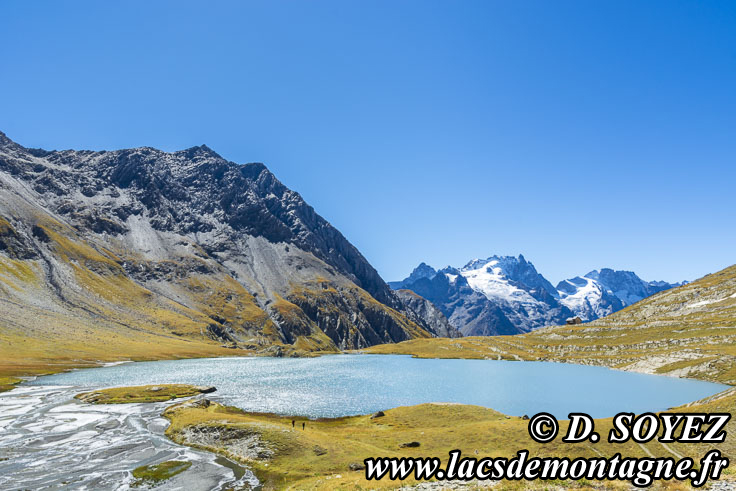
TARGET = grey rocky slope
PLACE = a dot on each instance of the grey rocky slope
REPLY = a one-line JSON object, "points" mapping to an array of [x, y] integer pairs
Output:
{"points": [[208, 247], [428, 313], [507, 295]]}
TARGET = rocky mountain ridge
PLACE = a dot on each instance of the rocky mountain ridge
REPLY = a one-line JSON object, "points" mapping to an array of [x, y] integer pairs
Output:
{"points": [[183, 246]]}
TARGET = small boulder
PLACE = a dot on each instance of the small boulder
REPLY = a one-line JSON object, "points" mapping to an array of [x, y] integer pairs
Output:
{"points": [[206, 389], [357, 466], [379, 414], [274, 350], [409, 445], [89, 397], [525, 417], [319, 450], [195, 404]]}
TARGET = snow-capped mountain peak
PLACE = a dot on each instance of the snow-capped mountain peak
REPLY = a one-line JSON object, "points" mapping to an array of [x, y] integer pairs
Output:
{"points": [[510, 292]]}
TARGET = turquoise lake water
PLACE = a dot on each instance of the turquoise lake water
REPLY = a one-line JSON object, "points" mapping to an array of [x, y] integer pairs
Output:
{"points": [[342, 385]]}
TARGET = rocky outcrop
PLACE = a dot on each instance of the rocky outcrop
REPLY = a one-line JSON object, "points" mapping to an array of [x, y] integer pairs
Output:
{"points": [[429, 314], [244, 443]]}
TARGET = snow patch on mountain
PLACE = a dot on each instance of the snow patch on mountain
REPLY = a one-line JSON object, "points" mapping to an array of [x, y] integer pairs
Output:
{"points": [[587, 298], [489, 279]]}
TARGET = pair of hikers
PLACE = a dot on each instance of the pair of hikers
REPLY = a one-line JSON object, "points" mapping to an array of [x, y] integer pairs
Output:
{"points": [[294, 422]]}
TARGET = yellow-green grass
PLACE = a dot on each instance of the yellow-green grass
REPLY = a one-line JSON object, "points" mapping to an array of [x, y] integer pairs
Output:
{"points": [[140, 394], [7, 382], [5, 226], [320, 456], [13, 271], [152, 475], [225, 298]]}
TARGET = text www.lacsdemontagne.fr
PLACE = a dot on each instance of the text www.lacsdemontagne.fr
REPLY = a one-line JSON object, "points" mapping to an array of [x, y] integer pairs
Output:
{"points": [[641, 472]]}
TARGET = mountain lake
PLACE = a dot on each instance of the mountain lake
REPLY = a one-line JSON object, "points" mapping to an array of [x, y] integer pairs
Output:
{"points": [[95, 446]]}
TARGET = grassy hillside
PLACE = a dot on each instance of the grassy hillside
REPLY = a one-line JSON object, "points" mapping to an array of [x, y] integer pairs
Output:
{"points": [[689, 331]]}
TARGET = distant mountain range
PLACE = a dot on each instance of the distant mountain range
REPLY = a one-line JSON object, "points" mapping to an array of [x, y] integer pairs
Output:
{"points": [[507, 295]]}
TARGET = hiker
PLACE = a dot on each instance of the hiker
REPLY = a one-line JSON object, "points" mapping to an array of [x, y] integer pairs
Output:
{"points": [[303, 424], [292, 423]]}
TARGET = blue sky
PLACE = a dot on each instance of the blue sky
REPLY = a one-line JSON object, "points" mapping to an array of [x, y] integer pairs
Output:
{"points": [[581, 134]]}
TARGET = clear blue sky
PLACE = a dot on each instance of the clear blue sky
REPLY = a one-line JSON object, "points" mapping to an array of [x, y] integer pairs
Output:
{"points": [[583, 134]]}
